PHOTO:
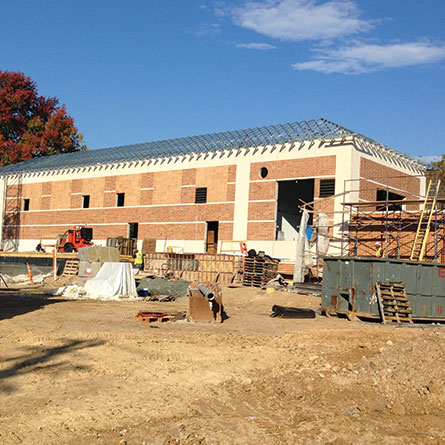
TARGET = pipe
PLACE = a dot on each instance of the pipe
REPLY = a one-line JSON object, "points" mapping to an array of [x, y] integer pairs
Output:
{"points": [[206, 292]]}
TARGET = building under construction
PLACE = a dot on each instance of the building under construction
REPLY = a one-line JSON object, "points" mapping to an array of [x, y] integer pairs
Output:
{"points": [[210, 192]]}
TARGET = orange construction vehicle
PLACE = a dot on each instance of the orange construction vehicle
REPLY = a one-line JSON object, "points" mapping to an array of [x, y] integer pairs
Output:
{"points": [[72, 240]]}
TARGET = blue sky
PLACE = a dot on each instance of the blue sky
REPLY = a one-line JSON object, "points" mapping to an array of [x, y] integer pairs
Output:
{"points": [[138, 71]]}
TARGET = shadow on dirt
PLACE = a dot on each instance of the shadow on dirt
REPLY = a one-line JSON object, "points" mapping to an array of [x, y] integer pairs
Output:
{"points": [[36, 359], [13, 304]]}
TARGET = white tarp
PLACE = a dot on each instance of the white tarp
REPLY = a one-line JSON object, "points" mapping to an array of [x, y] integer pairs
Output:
{"points": [[112, 281], [302, 249]]}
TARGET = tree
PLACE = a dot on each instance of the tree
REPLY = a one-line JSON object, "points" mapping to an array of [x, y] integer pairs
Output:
{"points": [[436, 169], [439, 167], [31, 125]]}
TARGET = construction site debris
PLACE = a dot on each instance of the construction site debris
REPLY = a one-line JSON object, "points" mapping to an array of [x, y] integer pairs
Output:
{"points": [[159, 288], [291, 312], [150, 317], [307, 288], [205, 302], [73, 291], [24, 278], [277, 283]]}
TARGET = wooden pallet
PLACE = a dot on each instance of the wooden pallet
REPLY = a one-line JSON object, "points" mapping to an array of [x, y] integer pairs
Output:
{"points": [[71, 268], [257, 272], [394, 305], [154, 318]]}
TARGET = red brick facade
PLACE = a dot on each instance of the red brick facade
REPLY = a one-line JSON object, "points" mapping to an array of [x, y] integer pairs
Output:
{"points": [[396, 181], [266, 190], [163, 202]]}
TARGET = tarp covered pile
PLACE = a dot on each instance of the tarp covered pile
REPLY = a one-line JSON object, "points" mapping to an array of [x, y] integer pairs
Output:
{"points": [[112, 282]]}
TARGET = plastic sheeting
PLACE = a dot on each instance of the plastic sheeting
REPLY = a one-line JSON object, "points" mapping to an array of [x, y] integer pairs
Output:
{"points": [[302, 247], [113, 280], [158, 286]]}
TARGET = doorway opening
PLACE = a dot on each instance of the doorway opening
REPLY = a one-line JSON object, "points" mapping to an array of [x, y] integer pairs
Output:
{"points": [[291, 195], [212, 237]]}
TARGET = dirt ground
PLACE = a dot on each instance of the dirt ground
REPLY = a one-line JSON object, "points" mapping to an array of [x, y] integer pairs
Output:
{"points": [[81, 372]]}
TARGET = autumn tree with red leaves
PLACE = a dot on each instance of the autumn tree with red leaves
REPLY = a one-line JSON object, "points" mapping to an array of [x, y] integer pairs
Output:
{"points": [[31, 125]]}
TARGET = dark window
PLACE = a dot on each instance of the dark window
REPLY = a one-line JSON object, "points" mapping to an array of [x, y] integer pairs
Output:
{"points": [[201, 195], [327, 188], [120, 199], [25, 205], [381, 196], [133, 230], [86, 201]]}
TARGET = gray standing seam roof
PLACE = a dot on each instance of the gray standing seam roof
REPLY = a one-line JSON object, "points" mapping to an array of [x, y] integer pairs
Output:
{"points": [[207, 143]]}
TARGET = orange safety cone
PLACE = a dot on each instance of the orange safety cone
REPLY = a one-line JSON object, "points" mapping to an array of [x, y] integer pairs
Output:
{"points": [[29, 273]]}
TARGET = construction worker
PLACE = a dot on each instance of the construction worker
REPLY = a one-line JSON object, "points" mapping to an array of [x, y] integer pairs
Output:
{"points": [[138, 259], [378, 249]]}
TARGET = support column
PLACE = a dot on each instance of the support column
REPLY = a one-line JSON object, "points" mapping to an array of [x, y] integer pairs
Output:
{"points": [[241, 208]]}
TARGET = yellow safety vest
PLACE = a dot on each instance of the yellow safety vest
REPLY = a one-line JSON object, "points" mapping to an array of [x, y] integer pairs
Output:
{"points": [[139, 258]]}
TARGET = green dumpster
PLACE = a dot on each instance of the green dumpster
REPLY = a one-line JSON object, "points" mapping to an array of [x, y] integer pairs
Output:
{"points": [[349, 286]]}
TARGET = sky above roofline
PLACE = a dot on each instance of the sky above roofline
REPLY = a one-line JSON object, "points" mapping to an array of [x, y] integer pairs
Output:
{"points": [[141, 71]]}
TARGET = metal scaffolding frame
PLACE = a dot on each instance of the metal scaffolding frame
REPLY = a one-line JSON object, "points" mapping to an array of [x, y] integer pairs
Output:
{"points": [[393, 228]]}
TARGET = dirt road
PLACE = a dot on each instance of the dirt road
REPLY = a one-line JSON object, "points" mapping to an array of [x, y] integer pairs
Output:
{"points": [[81, 372]]}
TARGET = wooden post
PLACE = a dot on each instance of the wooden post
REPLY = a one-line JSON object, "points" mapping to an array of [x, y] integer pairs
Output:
{"points": [[55, 263]]}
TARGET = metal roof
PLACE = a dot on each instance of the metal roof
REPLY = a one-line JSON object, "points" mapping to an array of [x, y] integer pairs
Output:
{"points": [[319, 129]]}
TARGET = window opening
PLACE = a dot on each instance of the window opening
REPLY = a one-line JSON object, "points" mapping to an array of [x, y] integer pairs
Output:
{"points": [[327, 188], [86, 201], [25, 205], [133, 229], [201, 195], [292, 195], [381, 196], [120, 199]]}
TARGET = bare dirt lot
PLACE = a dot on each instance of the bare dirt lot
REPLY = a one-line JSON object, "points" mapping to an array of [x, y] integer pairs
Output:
{"points": [[75, 372]]}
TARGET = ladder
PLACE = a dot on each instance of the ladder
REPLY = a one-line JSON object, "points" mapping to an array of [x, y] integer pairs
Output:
{"points": [[423, 228], [393, 303]]}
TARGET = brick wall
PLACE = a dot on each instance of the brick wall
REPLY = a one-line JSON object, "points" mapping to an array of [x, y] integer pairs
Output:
{"points": [[266, 190], [163, 202], [401, 234], [400, 183], [172, 212]]}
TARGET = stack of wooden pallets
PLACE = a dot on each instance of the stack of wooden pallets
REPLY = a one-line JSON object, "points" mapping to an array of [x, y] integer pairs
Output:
{"points": [[258, 271]]}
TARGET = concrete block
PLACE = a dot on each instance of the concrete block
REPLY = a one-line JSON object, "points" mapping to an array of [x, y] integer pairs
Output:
{"points": [[88, 269]]}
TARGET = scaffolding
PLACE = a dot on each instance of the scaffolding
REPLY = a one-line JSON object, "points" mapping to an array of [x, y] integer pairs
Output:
{"points": [[393, 223], [392, 220]]}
